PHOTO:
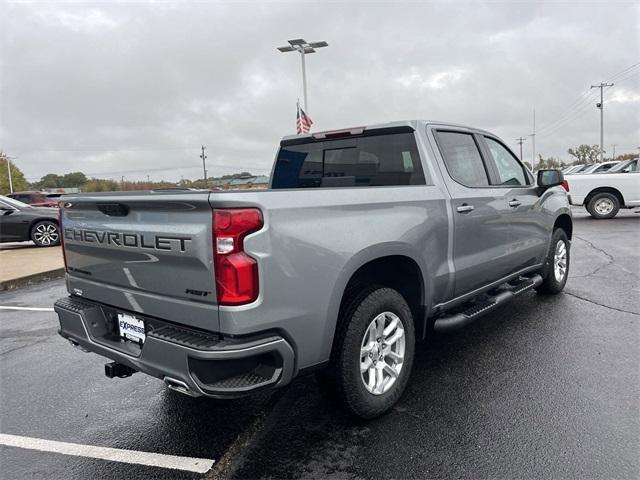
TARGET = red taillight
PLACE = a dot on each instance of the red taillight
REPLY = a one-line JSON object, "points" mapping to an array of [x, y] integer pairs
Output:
{"points": [[61, 233], [565, 185], [347, 132], [236, 272]]}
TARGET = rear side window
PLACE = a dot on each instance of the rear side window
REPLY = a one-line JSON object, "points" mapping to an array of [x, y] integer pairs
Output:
{"points": [[374, 161], [462, 158]]}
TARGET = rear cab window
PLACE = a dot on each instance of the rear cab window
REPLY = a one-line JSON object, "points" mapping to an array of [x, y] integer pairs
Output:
{"points": [[390, 159]]}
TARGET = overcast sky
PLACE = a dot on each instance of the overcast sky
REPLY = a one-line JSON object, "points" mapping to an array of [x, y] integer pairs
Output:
{"points": [[135, 88]]}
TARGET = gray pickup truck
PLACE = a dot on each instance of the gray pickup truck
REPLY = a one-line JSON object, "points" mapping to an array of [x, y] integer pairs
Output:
{"points": [[367, 240]]}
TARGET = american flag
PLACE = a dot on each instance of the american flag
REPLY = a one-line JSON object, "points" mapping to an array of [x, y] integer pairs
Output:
{"points": [[303, 121]]}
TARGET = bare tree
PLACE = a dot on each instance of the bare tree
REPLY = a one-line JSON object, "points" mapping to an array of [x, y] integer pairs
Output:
{"points": [[585, 153]]}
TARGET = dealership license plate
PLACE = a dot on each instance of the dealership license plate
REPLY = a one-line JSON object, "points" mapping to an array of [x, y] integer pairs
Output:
{"points": [[131, 328]]}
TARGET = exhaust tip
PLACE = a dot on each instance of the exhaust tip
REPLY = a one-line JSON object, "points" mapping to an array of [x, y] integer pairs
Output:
{"points": [[178, 386]]}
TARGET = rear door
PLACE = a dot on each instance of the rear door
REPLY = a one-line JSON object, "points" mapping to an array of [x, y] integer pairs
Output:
{"points": [[528, 228], [481, 231]]}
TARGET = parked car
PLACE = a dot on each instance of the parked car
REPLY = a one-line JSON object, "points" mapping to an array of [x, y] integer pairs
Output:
{"points": [[604, 194], [599, 167], [20, 222], [367, 239], [627, 166], [35, 199], [573, 169]]}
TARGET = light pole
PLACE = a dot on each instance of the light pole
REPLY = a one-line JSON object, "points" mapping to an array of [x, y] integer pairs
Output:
{"points": [[533, 142], [303, 47]]}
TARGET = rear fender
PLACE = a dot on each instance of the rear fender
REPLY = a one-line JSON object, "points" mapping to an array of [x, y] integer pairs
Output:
{"points": [[360, 259]]}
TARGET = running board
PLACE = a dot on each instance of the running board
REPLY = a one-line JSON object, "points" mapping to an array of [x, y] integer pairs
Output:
{"points": [[507, 292]]}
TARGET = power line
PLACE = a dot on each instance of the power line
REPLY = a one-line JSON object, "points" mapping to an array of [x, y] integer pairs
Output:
{"points": [[577, 113], [578, 105]]}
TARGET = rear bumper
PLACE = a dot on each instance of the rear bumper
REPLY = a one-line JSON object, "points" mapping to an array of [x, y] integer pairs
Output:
{"points": [[190, 361]]}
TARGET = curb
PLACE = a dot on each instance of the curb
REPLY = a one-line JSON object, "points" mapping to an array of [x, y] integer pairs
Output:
{"points": [[40, 277]]}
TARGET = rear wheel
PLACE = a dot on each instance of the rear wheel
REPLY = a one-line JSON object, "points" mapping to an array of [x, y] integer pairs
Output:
{"points": [[603, 205], [556, 268], [45, 234], [374, 352]]}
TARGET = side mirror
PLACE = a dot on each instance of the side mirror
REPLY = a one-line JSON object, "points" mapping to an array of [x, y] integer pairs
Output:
{"points": [[549, 178]]}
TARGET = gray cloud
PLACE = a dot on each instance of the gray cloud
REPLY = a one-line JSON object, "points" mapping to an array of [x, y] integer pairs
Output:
{"points": [[137, 88]]}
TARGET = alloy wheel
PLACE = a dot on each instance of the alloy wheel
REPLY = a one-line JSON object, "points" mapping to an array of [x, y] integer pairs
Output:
{"points": [[382, 353], [46, 234], [560, 261]]}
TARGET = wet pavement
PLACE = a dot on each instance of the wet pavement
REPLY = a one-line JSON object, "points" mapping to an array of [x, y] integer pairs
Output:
{"points": [[544, 388]]}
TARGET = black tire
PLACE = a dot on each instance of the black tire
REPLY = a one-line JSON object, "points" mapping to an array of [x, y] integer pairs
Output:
{"points": [[344, 369], [603, 205], [550, 282], [45, 233]]}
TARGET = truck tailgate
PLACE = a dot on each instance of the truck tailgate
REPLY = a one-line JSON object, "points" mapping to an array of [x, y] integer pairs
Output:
{"points": [[149, 252]]}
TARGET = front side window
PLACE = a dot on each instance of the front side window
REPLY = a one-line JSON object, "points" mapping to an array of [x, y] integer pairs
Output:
{"points": [[509, 169], [373, 161], [462, 158]]}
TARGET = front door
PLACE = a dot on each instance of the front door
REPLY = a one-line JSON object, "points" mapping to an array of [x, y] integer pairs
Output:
{"points": [[528, 230]]}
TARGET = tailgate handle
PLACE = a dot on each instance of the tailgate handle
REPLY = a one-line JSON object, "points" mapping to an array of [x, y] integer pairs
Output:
{"points": [[113, 209]]}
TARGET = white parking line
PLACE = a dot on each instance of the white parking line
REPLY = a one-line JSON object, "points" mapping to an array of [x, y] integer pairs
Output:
{"points": [[29, 309], [189, 464]]}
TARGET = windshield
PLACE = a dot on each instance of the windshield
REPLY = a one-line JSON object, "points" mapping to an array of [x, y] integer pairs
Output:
{"points": [[628, 166], [14, 203], [592, 168]]}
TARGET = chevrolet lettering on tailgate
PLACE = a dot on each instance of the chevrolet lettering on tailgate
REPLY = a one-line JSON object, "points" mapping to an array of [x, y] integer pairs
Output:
{"points": [[135, 240]]}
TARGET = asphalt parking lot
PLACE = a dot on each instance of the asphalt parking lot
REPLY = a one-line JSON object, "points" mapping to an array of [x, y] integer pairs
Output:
{"points": [[548, 387]]}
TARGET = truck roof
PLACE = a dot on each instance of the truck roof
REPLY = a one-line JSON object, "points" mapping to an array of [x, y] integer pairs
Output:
{"points": [[383, 126]]}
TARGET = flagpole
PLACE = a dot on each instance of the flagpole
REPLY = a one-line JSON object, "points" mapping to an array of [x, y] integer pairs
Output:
{"points": [[304, 82]]}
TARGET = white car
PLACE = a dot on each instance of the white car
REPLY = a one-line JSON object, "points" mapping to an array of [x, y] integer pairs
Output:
{"points": [[573, 169], [604, 194], [599, 167]]}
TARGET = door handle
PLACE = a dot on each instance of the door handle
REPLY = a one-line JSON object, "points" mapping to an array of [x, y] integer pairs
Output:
{"points": [[464, 208], [514, 203]]}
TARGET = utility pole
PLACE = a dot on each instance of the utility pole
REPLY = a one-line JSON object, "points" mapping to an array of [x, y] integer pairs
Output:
{"points": [[533, 141], [148, 181], [614, 152], [601, 107], [520, 141], [9, 171], [303, 47], [204, 165], [122, 183]]}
